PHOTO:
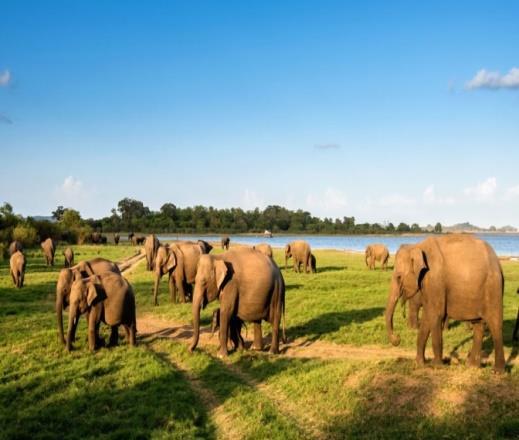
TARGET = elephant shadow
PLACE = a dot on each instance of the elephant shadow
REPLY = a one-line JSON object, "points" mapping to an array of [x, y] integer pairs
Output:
{"points": [[332, 322], [324, 269]]}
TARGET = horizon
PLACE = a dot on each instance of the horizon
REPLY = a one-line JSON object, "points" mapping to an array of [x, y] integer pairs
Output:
{"points": [[384, 112]]}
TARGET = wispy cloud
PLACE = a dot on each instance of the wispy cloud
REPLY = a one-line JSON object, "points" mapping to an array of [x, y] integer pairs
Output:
{"points": [[483, 191], [331, 202], [5, 78], [5, 119], [328, 146], [431, 198], [485, 79]]}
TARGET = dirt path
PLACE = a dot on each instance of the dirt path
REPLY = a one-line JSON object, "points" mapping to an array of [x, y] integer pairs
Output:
{"points": [[130, 263]]}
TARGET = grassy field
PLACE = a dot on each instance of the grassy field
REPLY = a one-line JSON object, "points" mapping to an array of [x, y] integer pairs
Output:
{"points": [[159, 390]]}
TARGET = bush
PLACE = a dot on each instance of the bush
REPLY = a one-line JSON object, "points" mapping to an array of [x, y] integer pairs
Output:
{"points": [[83, 234], [3, 251], [25, 234]]}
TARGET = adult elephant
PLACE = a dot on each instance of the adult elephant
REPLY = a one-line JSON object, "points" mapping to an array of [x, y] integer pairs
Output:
{"points": [[151, 245], [83, 269], [49, 248], [130, 237], [68, 255], [225, 241], [376, 252], [15, 246], [108, 298], [179, 260], [138, 239], [17, 268], [250, 287], [300, 251], [117, 237], [96, 237], [458, 276], [264, 248]]}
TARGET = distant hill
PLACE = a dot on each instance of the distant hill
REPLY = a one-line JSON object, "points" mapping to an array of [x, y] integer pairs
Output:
{"points": [[49, 218], [468, 227]]}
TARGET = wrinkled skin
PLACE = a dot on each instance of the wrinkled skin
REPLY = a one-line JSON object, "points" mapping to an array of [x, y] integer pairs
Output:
{"points": [[17, 268], [83, 269], [300, 251], [107, 298], [313, 264], [516, 329], [264, 248], [235, 327], [15, 246], [68, 254], [376, 252], [458, 276], [250, 288], [49, 249], [226, 241], [179, 260], [117, 237], [151, 245]]}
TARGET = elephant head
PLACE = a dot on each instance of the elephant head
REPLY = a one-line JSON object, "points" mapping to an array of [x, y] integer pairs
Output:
{"points": [[410, 264], [165, 262], [288, 254], [83, 293], [205, 247], [367, 254], [63, 287], [210, 278]]}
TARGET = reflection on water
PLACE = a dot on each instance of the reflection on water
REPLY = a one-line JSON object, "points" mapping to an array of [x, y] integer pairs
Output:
{"points": [[503, 244]]}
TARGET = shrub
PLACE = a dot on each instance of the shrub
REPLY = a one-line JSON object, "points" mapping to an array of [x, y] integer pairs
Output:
{"points": [[25, 234], [83, 234]]}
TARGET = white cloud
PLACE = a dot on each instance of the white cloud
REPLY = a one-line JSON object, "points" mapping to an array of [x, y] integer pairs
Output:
{"points": [[5, 78], [483, 191], [328, 146], [72, 194], [431, 198], [396, 200], [485, 79]]}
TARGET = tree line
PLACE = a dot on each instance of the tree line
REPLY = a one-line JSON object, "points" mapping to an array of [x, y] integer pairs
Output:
{"points": [[133, 216]]}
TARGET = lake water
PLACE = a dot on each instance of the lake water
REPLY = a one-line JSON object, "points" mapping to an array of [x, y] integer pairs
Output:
{"points": [[503, 244]]}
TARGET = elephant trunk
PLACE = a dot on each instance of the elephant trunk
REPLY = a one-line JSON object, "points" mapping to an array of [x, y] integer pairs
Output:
{"points": [[156, 288], [392, 301], [197, 305], [72, 324], [59, 315]]}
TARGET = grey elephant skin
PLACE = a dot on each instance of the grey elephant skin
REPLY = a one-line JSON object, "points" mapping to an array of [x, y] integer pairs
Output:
{"points": [[264, 248], [15, 246], [107, 298], [179, 260], [68, 255], [83, 269], [49, 249], [301, 253], [250, 287], [17, 268], [376, 252], [225, 242], [458, 276], [151, 246]]}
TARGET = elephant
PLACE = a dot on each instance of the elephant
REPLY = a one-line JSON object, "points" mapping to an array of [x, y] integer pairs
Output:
{"points": [[376, 252], [516, 329], [179, 260], [68, 253], [458, 276], [301, 252], [108, 298], [17, 268], [151, 245], [103, 239], [249, 286], [235, 326], [225, 242], [313, 264], [96, 237], [49, 248], [138, 240], [15, 246], [83, 269], [264, 248], [130, 237], [117, 237]]}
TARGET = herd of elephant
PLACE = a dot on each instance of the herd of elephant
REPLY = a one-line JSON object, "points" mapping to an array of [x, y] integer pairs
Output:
{"points": [[454, 276]]}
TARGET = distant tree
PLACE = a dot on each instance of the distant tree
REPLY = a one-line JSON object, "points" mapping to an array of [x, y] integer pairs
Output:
{"points": [[403, 227], [70, 218], [6, 209], [415, 227], [390, 228], [25, 234], [58, 213], [438, 228]]}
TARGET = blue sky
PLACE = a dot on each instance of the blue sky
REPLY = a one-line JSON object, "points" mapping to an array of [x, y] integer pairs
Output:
{"points": [[388, 111]]}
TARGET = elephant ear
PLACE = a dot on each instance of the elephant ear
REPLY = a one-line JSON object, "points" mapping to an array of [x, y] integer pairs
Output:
{"points": [[171, 262], [287, 249], [220, 269], [418, 261], [91, 293], [76, 274]]}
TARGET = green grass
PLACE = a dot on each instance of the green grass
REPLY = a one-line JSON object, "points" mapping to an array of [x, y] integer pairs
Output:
{"points": [[159, 390]]}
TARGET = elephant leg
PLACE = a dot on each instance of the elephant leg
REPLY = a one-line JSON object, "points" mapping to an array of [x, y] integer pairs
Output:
{"points": [[474, 359], [516, 329], [495, 326], [172, 289], [437, 340], [258, 338], [423, 335], [274, 346], [224, 332], [92, 331], [13, 277], [181, 292], [412, 319], [114, 336]]}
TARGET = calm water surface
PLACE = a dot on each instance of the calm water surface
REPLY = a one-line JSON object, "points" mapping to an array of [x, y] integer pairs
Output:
{"points": [[503, 244]]}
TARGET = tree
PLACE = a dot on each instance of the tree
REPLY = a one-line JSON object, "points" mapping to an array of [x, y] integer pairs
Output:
{"points": [[58, 213], [438, 228], [415, 227], [70, 219], [403, 227]]}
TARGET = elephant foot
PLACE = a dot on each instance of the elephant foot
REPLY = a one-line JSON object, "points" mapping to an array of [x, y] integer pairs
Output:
{"points": [[274, 350], [222, 354], [420, 362], [256, 348], [498, 369], [437, 363]]}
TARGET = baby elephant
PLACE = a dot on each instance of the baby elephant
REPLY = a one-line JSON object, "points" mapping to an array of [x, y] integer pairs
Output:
{"points": [[17, 268], [234, 329], [107, 298], [68, 253]]}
